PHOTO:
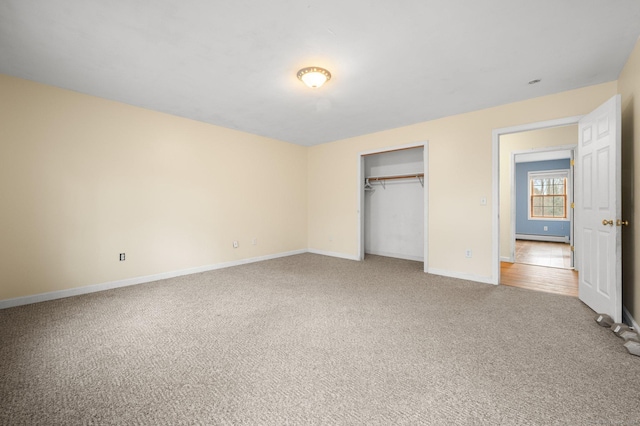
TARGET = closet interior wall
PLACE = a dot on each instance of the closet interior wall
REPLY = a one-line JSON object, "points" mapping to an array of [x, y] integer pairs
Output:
{"points": [[394, 207]]}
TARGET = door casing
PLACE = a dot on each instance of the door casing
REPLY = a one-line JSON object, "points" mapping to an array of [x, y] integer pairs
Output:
{"points": [[512, 230]]}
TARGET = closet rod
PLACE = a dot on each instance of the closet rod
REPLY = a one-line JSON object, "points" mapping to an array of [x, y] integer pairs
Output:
{"points": [[415, 175]]}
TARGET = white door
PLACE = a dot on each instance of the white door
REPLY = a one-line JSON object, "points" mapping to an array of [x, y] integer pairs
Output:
{"points": [[598, 235]]}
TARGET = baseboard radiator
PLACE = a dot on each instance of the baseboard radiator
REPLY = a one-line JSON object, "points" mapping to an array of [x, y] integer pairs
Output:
{"points": [[547, 238]]}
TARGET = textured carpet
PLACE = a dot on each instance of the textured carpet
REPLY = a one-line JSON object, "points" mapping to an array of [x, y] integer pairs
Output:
{"points": [[310, 339]]}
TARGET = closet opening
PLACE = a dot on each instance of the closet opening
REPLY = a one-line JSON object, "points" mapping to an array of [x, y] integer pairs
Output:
{"points": [[393, 189]]}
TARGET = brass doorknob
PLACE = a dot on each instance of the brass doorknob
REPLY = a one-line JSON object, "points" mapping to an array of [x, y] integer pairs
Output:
{"points": [[607, 222], [622, 222]]}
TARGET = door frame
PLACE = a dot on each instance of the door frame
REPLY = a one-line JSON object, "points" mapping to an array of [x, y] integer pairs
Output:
{"points": [[495, 215], [360, 186]]}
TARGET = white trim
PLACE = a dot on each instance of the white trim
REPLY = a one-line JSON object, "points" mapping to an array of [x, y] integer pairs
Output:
{"points": [[558, 122], [495, 216], [462, 276], [535, 155], [507, 259], [425, 185], [333, 254], [513, 208], [360, 187], [549, 238], [572, 216], [630, 321], [60, 294], [396, 255], [551, 219]]}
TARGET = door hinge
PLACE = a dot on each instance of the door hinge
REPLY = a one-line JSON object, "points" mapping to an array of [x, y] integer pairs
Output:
{"points": [[573, 162], [573, 248], [573, 205]]}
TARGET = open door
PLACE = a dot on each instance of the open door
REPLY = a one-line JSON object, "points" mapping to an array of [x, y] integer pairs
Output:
{"points": [[598, 209]]}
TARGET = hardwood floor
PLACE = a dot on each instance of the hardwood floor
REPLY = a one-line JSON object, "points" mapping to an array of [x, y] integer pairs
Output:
{"points": [[540, 278], [541, 266], [556, 255]]}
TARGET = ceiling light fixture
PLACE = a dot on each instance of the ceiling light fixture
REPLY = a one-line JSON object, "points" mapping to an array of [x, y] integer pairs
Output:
{"points": [[314, 76]]}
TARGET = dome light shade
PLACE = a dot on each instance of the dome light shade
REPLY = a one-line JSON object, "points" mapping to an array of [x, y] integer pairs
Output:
{"points": [[314, 76]]}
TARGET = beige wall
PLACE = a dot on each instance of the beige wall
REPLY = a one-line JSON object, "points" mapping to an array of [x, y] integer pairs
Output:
{"points": [[83, 179], [459, 175], [629, 88], [518, 142]]}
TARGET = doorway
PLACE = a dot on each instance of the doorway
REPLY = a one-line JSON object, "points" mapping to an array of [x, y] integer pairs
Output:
{"points": [[541, 188], [542, 259], [536, 218]]}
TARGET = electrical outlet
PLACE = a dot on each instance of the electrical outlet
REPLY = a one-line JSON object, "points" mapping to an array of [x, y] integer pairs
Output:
{"points": [[483, 201], [121, 257], [235, 244], [254, 241], [468, 253], [546, 228]]}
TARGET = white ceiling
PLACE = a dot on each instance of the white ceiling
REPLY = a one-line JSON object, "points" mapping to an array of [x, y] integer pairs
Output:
{"points": [[394, 63]]}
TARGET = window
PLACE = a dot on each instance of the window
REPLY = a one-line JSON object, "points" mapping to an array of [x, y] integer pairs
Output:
{"points": [[548, 194]]}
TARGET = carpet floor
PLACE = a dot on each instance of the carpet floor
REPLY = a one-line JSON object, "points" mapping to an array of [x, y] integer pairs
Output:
{"points": [[310, 339]]}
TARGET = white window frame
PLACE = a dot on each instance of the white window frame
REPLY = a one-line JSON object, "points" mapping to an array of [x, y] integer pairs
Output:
{"points": [[549, 174]]}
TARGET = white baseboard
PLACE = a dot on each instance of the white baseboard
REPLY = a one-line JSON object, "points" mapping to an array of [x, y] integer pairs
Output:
{"points": [[549, 238], [462, 276], [43, 297], [507, 259], [333, 254], [628, 319], [395, 255]]}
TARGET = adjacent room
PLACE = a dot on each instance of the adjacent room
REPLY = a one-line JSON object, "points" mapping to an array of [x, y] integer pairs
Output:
{"points": [[536, 206], [302, 213]]}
